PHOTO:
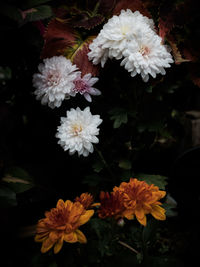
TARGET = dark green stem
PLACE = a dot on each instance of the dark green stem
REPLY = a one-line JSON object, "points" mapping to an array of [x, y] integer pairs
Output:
{"points": [[105, 163]]}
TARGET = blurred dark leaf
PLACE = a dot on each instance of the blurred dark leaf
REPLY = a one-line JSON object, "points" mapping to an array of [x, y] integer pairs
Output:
{"points": [[18, 180], [10, 11], [119, 116], [148, 234], [7, 197], [33, 3], [98, 166], [92, 180], [18, 185], [170, 205], [37, 13], [125, 164], [5, 73]]}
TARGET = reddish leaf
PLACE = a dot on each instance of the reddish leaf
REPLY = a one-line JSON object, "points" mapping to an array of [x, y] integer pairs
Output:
{"points": [[28, 11], [87, 16], [151, 4], [106, 6], [176, 52], [81, 60], [132, 5], [39, 24], [59, 35], [191, 50], [190, 54], [87, 21], [171, 14]]}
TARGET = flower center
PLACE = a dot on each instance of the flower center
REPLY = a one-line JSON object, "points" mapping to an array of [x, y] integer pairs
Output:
{"points": [[53, 79], [80, 86], [124, 29], [144, 50], [76, 129]]}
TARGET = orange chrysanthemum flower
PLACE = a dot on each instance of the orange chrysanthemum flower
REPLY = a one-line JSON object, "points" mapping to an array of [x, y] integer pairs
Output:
{"points": [[86, 200], [142, 199], [61, 224], [112, 205]]}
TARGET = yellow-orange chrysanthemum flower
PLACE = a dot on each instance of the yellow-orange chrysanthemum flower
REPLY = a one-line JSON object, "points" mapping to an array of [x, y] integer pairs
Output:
{"points": [[141, 199], [61, 224], [112, 205], [86, 200]]}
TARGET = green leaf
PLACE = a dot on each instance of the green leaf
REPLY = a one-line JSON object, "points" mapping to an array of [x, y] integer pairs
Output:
{"points": [[125, 164], [119, 116], [16, 184], [5, 73], [98, 166], [7, 197], [92, 180], [10, 11], [170, 206], [33, 3], [18, 180], [39, 13], [158, 180], [148, 233]]}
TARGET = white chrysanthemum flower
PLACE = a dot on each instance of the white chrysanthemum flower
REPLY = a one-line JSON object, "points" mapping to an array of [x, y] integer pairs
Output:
{"points": [[146, 56], [97, 53], [78, 131], [54, 82], [117, 33]]}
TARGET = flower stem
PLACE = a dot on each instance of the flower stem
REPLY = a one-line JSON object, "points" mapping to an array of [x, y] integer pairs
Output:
{"points": [[127, 246], [105, 163]]}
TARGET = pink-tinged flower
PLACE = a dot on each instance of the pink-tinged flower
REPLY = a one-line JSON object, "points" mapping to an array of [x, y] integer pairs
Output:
{"points": [[84, 86], [54, 80]]}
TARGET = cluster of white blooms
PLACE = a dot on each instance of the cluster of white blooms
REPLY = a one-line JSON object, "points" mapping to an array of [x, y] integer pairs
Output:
{"points": [[78, 131], [132, 38], [58, 79]]}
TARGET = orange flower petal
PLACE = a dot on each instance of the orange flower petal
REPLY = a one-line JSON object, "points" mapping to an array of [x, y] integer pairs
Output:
{"points": [[58, 245], [139, 213], [85, 217], [54, 236], [71, 238], [141, 217], [147, 207], [46, 245], [76, 212], [41, 237], [81, 237], [60, 204], [162, 194], [128, 215], [95, 204], [158, 213], [68, 205]]}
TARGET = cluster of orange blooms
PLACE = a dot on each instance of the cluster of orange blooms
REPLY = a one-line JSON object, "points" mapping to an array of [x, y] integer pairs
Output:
{"points": [[135, 198]]}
